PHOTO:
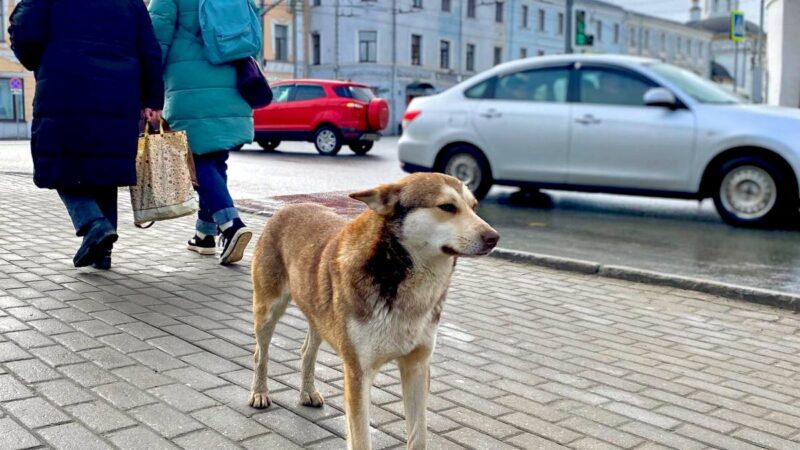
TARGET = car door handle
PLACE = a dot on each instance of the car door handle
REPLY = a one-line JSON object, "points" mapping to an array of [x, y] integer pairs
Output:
{"points": [[588, 119], [492, 114]]}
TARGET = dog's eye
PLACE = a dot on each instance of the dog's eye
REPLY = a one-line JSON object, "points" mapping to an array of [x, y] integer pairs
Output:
{"points": [[449, 207]]}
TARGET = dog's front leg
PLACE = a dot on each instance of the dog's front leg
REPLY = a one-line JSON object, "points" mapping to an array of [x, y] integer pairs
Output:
{"points": [[357, 384], [415, 378]]}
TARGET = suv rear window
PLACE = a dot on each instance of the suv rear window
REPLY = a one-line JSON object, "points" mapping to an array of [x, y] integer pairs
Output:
{"points": [[355, 92], [308, 92]]}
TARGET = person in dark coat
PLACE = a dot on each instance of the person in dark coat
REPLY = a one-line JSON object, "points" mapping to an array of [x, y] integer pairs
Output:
{"points": [[98, 70]]}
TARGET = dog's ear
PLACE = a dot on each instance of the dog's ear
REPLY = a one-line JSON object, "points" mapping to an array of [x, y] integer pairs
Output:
{"points": [[381, 199]]}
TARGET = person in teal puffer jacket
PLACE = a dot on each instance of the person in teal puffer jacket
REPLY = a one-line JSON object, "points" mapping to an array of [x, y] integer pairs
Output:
{"points": [[202, 99]]}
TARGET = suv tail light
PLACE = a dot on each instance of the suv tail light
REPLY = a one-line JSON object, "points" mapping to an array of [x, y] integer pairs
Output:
{"points": [[409, 116], [354, 105]]}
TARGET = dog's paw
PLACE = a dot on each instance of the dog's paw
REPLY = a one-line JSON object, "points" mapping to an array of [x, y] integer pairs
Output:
{"points": [[259, 400], [312, 399]]}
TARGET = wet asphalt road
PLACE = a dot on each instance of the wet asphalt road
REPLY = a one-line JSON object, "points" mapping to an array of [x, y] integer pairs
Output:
{"points": [[672, 236]]}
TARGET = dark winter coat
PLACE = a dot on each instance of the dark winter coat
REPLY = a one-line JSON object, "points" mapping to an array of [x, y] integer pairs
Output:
{"points": [[97, 64]]}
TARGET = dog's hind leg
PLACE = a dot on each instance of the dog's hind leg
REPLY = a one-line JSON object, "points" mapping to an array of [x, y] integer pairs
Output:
{"points": [[267, 309], [415, 379], [309, 396]]}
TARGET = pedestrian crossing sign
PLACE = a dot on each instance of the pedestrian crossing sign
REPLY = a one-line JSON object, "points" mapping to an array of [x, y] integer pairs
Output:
{"points": [[738, 32]]}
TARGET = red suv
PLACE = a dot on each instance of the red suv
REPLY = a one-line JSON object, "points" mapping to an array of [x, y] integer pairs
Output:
{"points": [[327, 113]]}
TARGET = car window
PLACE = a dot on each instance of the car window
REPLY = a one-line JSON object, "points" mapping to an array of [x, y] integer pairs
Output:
{"points": [[355, 92], [281, 94], [308, 92], [612, 87], [480, 90], [542, 85]]}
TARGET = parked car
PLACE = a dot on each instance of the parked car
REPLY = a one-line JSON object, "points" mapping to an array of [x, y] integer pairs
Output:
{"points": [[328, 113], [612, 124]]}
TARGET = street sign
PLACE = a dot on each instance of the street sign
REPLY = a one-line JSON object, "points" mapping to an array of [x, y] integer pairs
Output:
{"points": [[15, 85], [738, 31]]}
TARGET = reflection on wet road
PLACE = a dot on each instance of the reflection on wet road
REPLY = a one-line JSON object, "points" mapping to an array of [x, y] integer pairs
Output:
{"points": [[672, 236]]}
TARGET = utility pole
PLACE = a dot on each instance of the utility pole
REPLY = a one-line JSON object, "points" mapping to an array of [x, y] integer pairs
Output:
{"points": [[393, 85], [758, 69], [568, 27], [295, 40], [336, 41]]}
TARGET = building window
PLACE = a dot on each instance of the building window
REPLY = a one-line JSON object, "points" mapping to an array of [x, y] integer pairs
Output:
{"points": [[470, 58], [444, 54], [12, 107], [317, 3], [416, 50], [524, 16], [523, 52], [632, 32], [679, 46], [616, 33], [316, 49], [541, 20], [498, 12], [367, 46], [663, 42], [416, 4], [560, 24], [646, 39], [446, 6], [599, 33], [498, 55], [281, 43], [471, 9]]}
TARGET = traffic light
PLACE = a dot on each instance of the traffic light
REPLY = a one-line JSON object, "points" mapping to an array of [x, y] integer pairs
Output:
{"points": [[580, 27]]}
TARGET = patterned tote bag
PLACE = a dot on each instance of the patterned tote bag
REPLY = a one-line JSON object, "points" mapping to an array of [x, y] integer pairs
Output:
{"points": [[164, 177]]}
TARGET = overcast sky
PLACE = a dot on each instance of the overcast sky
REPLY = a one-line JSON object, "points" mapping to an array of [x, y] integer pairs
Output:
{"points": [[679, 9]]}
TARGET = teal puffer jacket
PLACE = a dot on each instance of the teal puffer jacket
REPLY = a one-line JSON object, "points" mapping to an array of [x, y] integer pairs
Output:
{"points": [[201, 98]]}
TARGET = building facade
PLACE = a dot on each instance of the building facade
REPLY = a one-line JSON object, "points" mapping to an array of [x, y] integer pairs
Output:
{"points": [[733, 64], [406, 48], [15, 109]]}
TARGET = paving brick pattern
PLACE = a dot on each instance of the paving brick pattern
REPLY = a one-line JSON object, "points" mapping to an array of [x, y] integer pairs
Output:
{"points": [[156, 354]]}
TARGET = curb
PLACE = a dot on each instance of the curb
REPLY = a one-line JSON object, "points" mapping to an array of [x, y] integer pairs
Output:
{"points": [[761, 296], [732, 291]]}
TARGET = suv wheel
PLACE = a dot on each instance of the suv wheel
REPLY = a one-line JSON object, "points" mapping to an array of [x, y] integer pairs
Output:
{"points": [[269, 145], [361, 147], [471, 167], [753, 192], [328, 141]]}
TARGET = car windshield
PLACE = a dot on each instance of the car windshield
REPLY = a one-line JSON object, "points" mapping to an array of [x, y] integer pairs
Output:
{"points": [[698, 88], [356, 92]]}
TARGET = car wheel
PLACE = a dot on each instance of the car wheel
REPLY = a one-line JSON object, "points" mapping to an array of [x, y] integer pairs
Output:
{"points": [[471, 167], [328, 141], [269, 145], [361, 147], [753, 192]]}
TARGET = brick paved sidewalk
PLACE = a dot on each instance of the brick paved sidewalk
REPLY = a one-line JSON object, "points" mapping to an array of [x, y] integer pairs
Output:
{"points": [[156, 354]]}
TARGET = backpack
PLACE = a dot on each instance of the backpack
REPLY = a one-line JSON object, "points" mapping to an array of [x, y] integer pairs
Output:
{"points": [[231, 29]]}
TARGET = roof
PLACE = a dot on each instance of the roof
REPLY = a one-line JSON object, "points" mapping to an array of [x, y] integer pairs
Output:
{"points": [[579, 57], [721, 25], [598, 3], [325, 82]]}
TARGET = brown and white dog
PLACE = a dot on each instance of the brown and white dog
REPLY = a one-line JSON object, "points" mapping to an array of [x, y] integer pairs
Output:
{"points": [[372, 288]]}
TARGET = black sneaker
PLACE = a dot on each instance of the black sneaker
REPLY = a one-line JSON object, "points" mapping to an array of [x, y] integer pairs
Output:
{"points": [[99, 238], [234, 241], [104, 263], [205, 246]]}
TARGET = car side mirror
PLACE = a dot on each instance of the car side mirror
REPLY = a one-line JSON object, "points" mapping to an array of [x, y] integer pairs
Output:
{"points": [[660, 97]]}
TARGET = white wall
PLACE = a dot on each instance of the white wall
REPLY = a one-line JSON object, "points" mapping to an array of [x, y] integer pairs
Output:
{"points": [[784, 60]]}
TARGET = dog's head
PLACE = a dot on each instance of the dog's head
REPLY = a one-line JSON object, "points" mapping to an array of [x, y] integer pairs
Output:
{"points": [[432, 214]]}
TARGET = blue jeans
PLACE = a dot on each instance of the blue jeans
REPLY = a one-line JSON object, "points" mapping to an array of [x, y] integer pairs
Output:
{"points": [[216, 204], [85, 205]]}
